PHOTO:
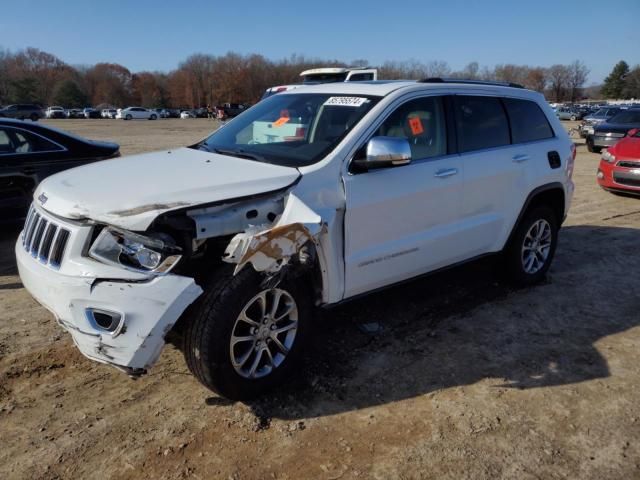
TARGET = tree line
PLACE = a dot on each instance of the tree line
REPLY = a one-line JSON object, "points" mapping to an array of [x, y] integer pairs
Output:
{"points": [[35, 76]]}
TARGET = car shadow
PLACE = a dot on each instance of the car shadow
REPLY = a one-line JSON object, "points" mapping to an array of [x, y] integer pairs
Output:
{"points": [[463, 326], [8, 236]]}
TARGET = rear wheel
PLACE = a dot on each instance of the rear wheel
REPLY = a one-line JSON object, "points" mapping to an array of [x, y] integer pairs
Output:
{"points": [[244, 339], [152, 117], [573, 118], [34, 117], [591, 147], [531, 249]]}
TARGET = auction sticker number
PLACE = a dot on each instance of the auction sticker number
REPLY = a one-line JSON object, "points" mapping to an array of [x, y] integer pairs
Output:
{"points": [[346, 101]]}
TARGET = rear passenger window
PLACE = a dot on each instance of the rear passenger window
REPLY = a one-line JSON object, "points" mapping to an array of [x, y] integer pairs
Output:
{"points": [[528, 122], [422, 123], [482, 123], [26, 142]]}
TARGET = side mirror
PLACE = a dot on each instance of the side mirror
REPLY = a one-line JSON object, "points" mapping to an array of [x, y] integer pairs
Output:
{"points": [[633, 132], [384, 152]]}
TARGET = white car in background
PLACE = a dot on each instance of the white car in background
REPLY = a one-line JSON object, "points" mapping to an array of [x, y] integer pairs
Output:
{"points": [[136, 113], [55, 112], [187, 114]]}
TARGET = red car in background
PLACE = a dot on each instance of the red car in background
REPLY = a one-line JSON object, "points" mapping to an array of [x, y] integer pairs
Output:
{"points": [[619, 169]]}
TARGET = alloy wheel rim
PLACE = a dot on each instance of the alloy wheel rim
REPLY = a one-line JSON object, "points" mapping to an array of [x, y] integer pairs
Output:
{"points": [[536, 247], [263, 333]]}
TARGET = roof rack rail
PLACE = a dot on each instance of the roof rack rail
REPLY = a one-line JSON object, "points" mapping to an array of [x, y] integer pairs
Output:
{"points": [[473, 82]]}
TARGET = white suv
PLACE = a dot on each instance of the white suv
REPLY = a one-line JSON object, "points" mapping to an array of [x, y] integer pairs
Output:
{"points": [[308, 198]]}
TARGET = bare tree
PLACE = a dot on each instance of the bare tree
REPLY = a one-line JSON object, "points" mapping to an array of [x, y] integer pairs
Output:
{"points": [[578, 73], [559, 78]]}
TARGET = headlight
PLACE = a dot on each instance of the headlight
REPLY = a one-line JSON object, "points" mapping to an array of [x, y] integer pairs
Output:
{"points": [[135, 252], [608, 157]]}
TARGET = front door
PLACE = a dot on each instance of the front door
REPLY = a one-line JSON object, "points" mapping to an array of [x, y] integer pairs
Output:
{"points": [[404, 221]]}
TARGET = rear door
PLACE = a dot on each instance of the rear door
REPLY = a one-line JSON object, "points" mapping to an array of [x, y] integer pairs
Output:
{"points": [[492, 174], [404, 221], [504, 142]]}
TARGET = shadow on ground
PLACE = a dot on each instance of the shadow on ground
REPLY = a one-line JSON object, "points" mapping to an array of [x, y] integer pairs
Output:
{"points": [[462, 326]]}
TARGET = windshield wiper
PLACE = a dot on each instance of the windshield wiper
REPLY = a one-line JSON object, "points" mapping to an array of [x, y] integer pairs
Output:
{"points": [[241, 154]]}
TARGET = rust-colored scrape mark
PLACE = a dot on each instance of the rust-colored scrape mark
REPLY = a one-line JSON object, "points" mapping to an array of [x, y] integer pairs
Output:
{"points": [[277, 243]]}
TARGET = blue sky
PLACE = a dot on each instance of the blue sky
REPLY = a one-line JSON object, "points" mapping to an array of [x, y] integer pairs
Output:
{"points": [[158, 35]]}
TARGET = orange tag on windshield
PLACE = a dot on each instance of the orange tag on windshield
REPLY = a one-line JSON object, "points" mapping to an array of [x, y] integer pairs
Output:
{"points": [[281, 121], [416, 126]]}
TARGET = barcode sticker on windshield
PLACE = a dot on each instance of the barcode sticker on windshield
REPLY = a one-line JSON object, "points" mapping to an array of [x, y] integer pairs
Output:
{"points": [[346, 101]]}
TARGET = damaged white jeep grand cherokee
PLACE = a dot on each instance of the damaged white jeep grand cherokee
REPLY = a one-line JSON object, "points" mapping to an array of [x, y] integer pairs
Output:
{"points": [[309, 198]]}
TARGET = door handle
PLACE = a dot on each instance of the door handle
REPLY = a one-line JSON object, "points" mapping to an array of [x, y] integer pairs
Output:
{"points": [[447, 172], [28, 170], [523, 157]]}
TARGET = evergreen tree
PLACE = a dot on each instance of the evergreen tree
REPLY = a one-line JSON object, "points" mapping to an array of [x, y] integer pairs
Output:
{"points": [[68, 94], [614, 84]]}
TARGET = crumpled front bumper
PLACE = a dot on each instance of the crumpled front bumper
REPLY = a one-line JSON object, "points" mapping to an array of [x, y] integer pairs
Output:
{"points": [[150, 308]]}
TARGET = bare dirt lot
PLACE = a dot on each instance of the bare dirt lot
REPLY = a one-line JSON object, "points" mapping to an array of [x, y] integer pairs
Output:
{"points": [[468, 378]]}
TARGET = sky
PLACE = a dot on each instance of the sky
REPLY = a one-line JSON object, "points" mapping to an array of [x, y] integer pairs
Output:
{"points": [[158, 35]]}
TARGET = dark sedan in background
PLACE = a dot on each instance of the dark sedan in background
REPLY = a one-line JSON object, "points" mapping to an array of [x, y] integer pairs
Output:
{"points": [[606, 134], [31, 152], [601, 115]]}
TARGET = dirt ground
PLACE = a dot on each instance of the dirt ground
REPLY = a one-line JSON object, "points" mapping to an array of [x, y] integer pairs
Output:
{"points": [[468, 378]]}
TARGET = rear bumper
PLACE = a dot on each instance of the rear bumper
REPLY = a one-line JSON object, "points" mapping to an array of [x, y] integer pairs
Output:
{"points": [[149, 310], [604, 142]]}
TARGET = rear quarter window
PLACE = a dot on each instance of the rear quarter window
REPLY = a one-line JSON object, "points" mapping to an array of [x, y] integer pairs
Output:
{"points": [[528, 122], [481, 123]]}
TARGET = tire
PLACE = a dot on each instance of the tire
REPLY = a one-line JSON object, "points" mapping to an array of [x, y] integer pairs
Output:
{"points": [[573, 118], [128, 116], [218, 317], [34, 117], [152, 117], [591, 148], [541, 223]]}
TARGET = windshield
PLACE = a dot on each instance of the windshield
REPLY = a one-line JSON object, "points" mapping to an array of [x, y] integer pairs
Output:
{"points": [[630, 116], [291, 129]]}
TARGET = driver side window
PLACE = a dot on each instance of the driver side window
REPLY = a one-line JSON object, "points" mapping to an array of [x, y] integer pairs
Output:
{"points": [[421, 121]]}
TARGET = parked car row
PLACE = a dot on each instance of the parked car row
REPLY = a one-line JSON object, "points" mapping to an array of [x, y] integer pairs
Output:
{"points": [[35, 112]]}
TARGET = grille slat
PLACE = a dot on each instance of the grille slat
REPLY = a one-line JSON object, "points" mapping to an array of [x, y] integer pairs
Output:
{"points": [[57, 252], [44, 239], [30, 229], [27, 223], [37, 237], [47, 239], [34, 233]]}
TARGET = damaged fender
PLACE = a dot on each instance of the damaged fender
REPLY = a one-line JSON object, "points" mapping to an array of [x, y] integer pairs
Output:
{"points": [[269, 248]]}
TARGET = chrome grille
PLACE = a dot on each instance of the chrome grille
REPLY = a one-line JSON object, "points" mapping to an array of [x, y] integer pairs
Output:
{"points": [[44, 239]]}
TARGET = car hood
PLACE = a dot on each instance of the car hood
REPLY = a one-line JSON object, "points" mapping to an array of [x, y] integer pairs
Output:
{"points": [[130, 192], [627, 149]]}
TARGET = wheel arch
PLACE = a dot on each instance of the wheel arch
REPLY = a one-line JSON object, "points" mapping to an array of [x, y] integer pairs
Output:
{"points": [[551, 194]]}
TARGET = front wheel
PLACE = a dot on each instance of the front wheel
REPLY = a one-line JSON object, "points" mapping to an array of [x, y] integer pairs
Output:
{"points": [[573, 118], [128, 117], [152, 117], [243, 339], [531, 249], [34, 117]]}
